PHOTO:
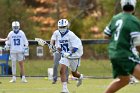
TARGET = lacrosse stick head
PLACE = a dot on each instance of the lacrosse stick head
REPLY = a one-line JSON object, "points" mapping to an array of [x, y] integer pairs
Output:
{"points": [[43, 42], [40, 41]]}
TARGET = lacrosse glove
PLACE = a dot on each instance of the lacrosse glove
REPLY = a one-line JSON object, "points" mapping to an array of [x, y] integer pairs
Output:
{"points": [[26, 51], [7, 46], [67, 54], [52, 48]]}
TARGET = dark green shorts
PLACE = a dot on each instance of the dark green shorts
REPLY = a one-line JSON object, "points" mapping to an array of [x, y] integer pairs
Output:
{"points": [[124, 66]]}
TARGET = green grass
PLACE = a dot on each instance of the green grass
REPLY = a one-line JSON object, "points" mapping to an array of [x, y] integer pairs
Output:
{"points": [[41, 85], [97, 68]]}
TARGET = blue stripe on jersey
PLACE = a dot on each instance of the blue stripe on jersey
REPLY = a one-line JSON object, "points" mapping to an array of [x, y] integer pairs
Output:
{"points": [[16, 32]]}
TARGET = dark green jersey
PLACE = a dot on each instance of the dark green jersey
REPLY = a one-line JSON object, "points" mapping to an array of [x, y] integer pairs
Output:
{"points": [[122, 29]]}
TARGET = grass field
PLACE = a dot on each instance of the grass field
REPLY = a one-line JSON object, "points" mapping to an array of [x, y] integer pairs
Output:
{"points": [[93, 68], [98, 68], [41, 85]]}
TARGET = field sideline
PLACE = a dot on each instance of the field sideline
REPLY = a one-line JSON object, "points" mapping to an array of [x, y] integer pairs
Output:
{"points": [[41, 85]]}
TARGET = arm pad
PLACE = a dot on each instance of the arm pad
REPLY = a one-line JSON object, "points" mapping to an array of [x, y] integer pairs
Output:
{"points": [[136, 40]]}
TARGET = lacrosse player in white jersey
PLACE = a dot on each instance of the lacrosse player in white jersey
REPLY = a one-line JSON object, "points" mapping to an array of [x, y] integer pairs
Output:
{"points": [[56, 57], [17, 43], [71, 50]]}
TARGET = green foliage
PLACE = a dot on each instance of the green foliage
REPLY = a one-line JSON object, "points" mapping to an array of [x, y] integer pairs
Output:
{"points": [[95, 51], [77, 27], [12, 10]]}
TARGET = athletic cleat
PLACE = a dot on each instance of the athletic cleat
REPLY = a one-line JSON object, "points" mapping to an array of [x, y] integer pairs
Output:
{"points": [[24, 80], [12, 81], [54, 82], [133, 80], [136, 81], [65, 90], [79, 81]]}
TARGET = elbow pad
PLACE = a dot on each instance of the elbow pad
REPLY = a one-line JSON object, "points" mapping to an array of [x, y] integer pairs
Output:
{"points": [[74, 50], [136, 41]]}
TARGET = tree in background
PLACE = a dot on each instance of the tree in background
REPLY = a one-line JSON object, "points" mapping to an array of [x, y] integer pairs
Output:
{"points": [[39, 18], [15, 10]]}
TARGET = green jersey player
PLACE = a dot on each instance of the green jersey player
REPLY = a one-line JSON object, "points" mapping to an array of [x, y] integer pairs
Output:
{"points": [[124, 34], [122, 28]]}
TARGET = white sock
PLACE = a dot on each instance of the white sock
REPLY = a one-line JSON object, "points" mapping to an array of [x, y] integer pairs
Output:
{"points": [[81, 76], [23, 77], [14, 77], [64, 85], [14, 68]]}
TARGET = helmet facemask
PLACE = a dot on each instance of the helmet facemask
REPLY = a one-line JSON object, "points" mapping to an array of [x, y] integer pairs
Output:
{"points": [[62, 29], [15, 28]]}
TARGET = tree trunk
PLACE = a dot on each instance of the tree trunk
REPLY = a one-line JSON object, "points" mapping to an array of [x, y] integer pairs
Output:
{"points": [[117, 6]]}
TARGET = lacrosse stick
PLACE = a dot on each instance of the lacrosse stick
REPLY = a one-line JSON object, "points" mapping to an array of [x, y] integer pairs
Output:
{"points": [[52, 47], [43, 42]]}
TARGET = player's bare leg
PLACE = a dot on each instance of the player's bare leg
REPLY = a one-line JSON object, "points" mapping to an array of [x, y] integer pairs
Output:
{"points": [[76, 74], [63, 78], [136, 72], [21, 64], [79, 76], [117, 84], [122, 81]]}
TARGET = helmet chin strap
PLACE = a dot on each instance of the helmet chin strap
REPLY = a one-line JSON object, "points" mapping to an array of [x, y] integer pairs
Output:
{"points": [[62, 31]]}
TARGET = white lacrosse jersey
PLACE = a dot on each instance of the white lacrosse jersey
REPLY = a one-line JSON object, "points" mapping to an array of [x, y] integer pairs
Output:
{"points": [[68, 41], [54, 37], [17, 42]]}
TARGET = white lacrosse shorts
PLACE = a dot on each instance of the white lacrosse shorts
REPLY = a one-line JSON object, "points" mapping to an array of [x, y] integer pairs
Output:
{"points": [[17, 57], [71, 63]]}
